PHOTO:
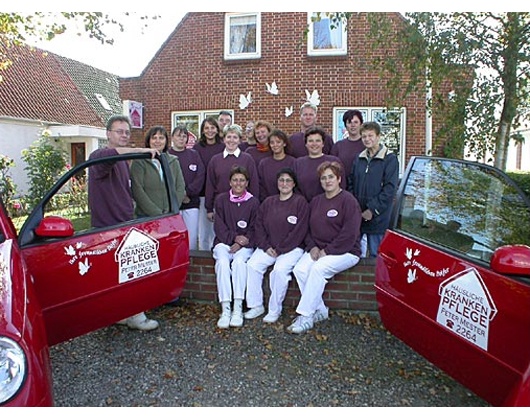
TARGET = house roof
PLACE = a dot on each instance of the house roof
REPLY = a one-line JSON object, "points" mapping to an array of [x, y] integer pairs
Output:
{"points": [[43, 86]]}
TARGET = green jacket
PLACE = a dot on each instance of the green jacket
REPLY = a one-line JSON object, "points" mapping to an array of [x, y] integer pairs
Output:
{"points": [[149, 190]]}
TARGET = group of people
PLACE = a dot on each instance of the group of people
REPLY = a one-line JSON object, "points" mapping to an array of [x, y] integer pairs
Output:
{"points": [[299, 204]]}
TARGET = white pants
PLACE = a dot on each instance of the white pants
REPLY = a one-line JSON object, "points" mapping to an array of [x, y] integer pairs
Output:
{"points": [[206, 232], [231, 272], [191, 220], [312, 277], [279, 278]]}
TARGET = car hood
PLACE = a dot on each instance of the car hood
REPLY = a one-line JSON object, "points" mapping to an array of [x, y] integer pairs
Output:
{"points": [[12, 291]]}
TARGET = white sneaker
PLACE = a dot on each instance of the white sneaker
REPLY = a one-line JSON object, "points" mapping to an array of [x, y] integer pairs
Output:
{"points": [[224, 320], [320, 316], [236, 320], [140, 322], [271, 318], [254, 312], [301, 325]]}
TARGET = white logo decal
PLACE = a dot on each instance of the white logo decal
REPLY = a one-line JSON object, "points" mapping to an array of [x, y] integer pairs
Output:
{"points": [[193, 167], [466, 307], [137, 256], [333, 213], [242, 224], [293, 220]]}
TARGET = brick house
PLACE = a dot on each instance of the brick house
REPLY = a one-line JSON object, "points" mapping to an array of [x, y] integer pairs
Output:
{"points": [[211, 59]]}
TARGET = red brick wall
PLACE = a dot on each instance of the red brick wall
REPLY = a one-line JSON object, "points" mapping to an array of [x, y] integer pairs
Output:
{"points": [[352, 289], [189, 73]]}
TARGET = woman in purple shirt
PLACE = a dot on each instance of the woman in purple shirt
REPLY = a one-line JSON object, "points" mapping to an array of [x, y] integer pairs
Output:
{"points": [[332, 246], [268, 168], [281, 227], [235, 217]]}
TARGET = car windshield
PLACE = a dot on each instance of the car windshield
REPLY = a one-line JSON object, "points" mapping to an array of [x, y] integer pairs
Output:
{"points": [[469, 208]]}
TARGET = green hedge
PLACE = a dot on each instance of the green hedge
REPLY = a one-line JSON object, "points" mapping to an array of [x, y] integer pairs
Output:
{"points": [[522, 179]]}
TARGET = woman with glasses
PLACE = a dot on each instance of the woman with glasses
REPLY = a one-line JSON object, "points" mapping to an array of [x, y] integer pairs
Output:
{"points": [[234, 226], [332, 245], [281, 227]]}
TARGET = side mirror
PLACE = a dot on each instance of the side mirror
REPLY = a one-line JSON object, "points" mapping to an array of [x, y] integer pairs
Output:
{"points": [[512, 260], [55, 227]]}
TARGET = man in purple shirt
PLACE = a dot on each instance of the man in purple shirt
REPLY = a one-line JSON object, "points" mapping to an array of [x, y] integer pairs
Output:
{"points": [[109, 192], [308, 119]]}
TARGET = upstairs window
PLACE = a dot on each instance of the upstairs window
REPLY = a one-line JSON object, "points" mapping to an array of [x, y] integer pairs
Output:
{"points": [[242, 36], [326, 36]]}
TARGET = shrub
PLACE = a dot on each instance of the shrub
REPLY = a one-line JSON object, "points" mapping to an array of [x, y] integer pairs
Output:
{"points": [[8, 189], [523, 180], [45, 164]]}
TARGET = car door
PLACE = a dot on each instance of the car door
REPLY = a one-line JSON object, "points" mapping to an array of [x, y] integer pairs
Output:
{"points": [[453, 275], [87, 278]]}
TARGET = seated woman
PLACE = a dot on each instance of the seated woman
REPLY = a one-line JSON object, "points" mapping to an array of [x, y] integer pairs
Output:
{"points": [[235, 218], [332, 246], [281, 227]]}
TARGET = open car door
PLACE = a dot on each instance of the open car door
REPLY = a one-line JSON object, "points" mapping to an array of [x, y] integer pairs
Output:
{"points": [[87, 278], [453, 275]]}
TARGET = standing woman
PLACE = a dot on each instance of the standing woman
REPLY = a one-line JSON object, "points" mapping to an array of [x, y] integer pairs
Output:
{"points": [[332, 245], [261, 149], [235, 216], [349, 148], [148, 186], [209, 145], [306, 167], [194, 175], [281, 227], [268, 168]]}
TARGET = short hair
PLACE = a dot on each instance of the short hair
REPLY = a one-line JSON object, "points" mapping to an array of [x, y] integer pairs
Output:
{"points": [[372, 126], [315, 130], [155, 130], [234, 128], [179, 129], [282, 136], [287, 171], [117, 118], [225, 113], [266, 124], [335, 167], [236, 169], [350, 114], [308, 105]]}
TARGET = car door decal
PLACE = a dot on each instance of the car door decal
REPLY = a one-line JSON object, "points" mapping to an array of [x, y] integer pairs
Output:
{"points": [[466, 307], [77, 253], [413, 263], [137, 256]]}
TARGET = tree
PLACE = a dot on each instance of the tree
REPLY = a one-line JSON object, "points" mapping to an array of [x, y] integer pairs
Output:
{"points": [[438, 48], [19, 28]]}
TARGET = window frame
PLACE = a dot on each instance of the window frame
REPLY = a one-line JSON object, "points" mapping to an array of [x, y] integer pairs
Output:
{"points": [[200, 116], [319, 52], [227, 37]]}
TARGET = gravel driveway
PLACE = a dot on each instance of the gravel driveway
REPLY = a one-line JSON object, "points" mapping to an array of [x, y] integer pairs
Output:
{"points": [[348, 361]]}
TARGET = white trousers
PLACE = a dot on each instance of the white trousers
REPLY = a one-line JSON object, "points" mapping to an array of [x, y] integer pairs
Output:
{"points": [[312, 278], [279, 278], [191, 220], [206, 232], [231, 272]]}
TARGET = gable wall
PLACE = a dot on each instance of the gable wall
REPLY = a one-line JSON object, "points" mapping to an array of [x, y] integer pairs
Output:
{"points": [[189, 73]]}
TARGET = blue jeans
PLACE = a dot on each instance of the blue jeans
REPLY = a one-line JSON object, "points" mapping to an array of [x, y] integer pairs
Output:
{"points": [[374, 240]]}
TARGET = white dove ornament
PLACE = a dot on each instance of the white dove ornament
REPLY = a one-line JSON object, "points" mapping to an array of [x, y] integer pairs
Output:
{"points": [[245, 101], [288, 111], [273, 88], [313, 98]]}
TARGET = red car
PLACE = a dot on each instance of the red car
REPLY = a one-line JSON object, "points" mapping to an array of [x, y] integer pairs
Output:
{"points": [[60, 278], [453, 275]]}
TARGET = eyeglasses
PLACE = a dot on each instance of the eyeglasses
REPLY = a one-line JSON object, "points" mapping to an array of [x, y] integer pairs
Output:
{"points": [[126, 133], [286, 180]]}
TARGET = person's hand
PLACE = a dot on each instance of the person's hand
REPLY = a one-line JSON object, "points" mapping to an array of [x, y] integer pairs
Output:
{"points": [[272, 253], [210, 216], [322, 253], [153, 152], [367, 215], [186, 200], [315, 253], [234, 248], [242, 240]]}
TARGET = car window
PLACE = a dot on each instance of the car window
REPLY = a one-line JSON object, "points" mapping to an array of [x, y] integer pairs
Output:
{"points": [[468, 208]]}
